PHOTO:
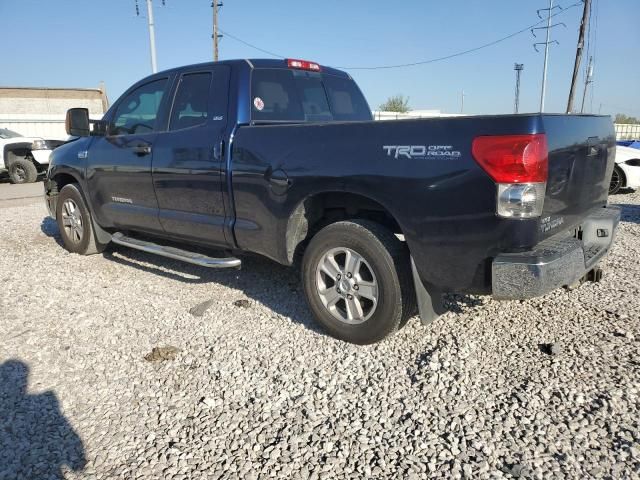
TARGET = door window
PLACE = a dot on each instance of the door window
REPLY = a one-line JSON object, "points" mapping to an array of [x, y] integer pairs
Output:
{"points": [[137, 112], [191, 102]]}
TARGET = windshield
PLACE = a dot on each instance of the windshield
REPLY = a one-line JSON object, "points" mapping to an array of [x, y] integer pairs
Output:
{"points": [[5, 133], [283, 95]]}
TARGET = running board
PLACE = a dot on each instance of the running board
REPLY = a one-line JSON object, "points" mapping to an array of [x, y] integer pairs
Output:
{"points": [[175, 253]]}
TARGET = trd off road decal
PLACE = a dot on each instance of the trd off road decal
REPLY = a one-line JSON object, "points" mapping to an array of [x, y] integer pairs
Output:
{"points": [[418, 152]]}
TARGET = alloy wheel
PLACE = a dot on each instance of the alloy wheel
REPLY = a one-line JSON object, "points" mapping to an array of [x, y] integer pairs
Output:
{"points": [[72, 220], [347, 285]]}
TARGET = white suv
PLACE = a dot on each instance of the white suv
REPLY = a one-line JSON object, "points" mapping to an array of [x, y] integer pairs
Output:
{"points": [[24, 158]]}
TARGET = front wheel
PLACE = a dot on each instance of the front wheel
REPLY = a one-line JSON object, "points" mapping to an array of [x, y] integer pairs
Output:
{"points": [[74, 222], [22, 170], [357, 281]]}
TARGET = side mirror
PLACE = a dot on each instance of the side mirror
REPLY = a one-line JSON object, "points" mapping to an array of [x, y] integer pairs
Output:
{"points": [[77, 122]]}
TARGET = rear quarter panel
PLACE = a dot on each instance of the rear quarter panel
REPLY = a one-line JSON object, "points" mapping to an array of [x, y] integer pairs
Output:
{"points": [[445, 206]]}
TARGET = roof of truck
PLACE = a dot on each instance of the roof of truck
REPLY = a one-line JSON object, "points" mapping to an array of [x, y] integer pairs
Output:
{"points": [[256, 63]]}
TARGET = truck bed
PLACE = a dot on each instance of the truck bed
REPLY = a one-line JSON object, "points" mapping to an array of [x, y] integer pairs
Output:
{"points": [[444, 204]]}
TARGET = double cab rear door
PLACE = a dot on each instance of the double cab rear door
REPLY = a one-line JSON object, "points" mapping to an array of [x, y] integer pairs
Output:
{"points": [[159, 167]]}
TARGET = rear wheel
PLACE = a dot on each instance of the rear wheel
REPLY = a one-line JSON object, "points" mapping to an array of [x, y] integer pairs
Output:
{"points": [[74, 222], [357, 281], [617, 180], [22, 170]]}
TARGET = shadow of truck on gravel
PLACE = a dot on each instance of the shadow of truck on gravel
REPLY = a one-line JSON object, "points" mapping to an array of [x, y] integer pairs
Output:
{"points": [[262, 280], [36, 440]]}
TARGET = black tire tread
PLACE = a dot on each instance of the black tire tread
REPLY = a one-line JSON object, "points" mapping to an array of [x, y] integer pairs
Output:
{"points": [[622, 183], [397, 261], [92, 245], [29, 167]]}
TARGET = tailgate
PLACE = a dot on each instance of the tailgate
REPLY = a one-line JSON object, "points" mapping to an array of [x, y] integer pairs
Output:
{"points": [[581, 159]]}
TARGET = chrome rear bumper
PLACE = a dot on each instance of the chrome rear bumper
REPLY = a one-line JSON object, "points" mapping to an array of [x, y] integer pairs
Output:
{"points": [[555, 262]]}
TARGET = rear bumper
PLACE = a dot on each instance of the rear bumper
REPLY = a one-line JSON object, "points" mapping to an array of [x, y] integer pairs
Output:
{"points": [[555, 262]]}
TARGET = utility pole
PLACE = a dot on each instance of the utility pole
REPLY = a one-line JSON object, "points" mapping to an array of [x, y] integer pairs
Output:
{"points": [[546, 46], [152, 36], [518, 67], [576, 65], [462, 95], [215, 5], [587, 81]]}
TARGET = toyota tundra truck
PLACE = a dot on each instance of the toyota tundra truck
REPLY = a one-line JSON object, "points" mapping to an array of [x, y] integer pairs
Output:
{"points": [[281, 158]]}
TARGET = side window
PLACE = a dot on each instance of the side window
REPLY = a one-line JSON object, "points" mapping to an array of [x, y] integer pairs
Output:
{"points": [[191, 102], [137, 112], [347, 102]]}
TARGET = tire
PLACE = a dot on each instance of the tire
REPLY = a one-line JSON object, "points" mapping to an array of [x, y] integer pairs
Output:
{"points": [[22, 171], [74, 222], [617, 180], [384, 269]]}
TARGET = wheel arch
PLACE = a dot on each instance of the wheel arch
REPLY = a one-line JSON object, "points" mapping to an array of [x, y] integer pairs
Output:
{"points": [[10, 151], [56, 182], [322, 208]]}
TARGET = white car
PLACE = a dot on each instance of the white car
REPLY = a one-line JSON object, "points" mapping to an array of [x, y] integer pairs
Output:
{"points": [[24, 158], [626, 173]]}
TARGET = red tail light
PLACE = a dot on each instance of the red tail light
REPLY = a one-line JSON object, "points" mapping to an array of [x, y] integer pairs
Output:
{"points": [[303, 65], [513, 158]]}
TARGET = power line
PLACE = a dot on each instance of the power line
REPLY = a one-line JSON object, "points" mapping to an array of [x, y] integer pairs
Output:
{"points": [[423, 62], [251, 45], [464, 52]]}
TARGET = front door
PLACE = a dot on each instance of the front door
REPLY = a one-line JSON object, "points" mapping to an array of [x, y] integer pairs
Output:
{"points": [[119, 163], [188, 159]]}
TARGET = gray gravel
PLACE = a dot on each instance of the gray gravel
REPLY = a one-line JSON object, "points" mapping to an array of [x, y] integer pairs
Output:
{"points": [[243, 385]]}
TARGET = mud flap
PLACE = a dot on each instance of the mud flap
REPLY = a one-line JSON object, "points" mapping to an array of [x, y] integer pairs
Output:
{"points": [[429, 300]]}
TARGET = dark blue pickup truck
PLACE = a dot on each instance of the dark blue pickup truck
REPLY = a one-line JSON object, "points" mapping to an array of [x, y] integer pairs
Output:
{"points": [[281, 158]]}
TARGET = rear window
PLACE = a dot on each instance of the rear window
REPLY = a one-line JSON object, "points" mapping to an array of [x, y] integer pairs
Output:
{"points": [[300, 96]]}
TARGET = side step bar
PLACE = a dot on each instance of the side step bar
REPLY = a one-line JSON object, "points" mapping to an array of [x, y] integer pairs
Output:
{"points": [[175, 253]]}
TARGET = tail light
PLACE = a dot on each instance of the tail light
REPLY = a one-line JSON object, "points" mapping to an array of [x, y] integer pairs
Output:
{"points": [[519, 166], [303, 65]]}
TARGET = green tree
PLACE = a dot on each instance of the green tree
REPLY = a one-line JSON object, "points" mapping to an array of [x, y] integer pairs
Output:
{"points": [[397, 103], [622, 118]]}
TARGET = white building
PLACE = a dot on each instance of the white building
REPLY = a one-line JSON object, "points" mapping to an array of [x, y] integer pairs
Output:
{"points": [[40, 112]]}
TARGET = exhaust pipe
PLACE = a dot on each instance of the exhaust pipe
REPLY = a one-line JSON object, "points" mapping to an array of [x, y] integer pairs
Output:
{"points": [[594, 275]]}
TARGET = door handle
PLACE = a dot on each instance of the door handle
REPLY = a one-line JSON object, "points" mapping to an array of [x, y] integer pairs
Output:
{"points": [[141, 150]]}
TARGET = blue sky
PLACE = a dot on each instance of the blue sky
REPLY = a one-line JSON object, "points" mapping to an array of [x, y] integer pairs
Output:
{"points": [[78, 43]]}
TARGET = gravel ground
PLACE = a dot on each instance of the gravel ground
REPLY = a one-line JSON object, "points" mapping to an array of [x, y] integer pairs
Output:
{"points": [[126, 365]]}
